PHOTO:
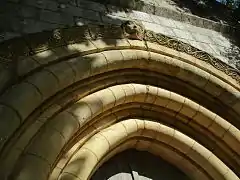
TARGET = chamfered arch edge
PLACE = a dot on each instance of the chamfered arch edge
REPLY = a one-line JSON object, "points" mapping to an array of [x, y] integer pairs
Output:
{"points": [[141, 91], [6, 99], [142, 51], [113, 138]]}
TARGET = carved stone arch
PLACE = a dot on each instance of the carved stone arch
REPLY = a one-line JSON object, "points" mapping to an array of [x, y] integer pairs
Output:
{"points": [[71, 83]]}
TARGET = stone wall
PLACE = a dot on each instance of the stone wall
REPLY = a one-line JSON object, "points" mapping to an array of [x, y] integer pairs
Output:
{"points": [[19, 17]]}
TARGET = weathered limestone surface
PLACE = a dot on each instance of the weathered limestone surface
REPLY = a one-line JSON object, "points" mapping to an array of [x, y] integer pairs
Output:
{"points": [[67, 93], [29, 16]]}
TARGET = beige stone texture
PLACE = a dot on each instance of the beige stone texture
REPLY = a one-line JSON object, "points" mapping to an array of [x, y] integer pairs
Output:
{"points": [[63, 66], [81, 67], [98, 144], [204, 117], [220, 126], [117, 133], [97, 62], [181, 142], [137, 44], [83, 47], [68, 176], [81, 164], [100, 44], [214, 86], [31, 167], [65, 123], [114, 59], [82, 111], [113, 136], [45, 57], [55, 173], [142, 145], [7, 164], [107, 98], [8, 127], [190, 108], [49, 112], [46, 83], [26, 65], [176, 102], [64, 74], [163, 97], [23, 98], [47, 144], [129, 92], [119, 94]]}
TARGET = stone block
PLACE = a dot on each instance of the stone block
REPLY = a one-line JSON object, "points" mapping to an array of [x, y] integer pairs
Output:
{"points": [[82, 111], [111, 19], [29, 166], [116, 11], [66, 176], [65, 123], [55, 173], [183, 34], [91, 5], [189, 108], [119, 94], [215, 86], [81, 164], [25, 65], [115, 134], [46, 83], [165, 22], [219, 126], [64, 73], [47, 144], [98, 144], [48, 113], [81, 66], [129, 92], [165, 134], [28, 134], [10, 121], [182, 142], [130, 126], [152, 94], [142, 16], [107, 98], [204, 117], [56, 17], [29, 12], [163, 98], [23, 93], [98, 63], [80, 12], [114, 59], [142, 145]]}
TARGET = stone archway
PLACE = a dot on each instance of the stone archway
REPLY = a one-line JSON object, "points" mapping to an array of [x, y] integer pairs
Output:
{"points": [[72, 85]]}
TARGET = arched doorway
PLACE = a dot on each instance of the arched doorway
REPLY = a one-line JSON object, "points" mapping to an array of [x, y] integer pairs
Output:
{"points": [[137, 165], [88, 93]]}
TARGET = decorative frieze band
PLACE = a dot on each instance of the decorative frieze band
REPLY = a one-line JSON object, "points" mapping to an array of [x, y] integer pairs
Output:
{"points": [[14, 50], [135, 30]]}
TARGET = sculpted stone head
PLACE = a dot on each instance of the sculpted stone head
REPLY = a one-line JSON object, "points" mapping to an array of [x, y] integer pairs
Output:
{"points": [[133, 30]]}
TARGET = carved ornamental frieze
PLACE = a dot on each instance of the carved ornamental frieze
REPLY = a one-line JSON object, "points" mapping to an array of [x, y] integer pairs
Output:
{"points": [[134, 30], [14, 49]]}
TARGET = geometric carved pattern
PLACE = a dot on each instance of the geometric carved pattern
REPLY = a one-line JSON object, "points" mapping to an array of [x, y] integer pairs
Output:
{"points": [[135, 31], [12, 50]]}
